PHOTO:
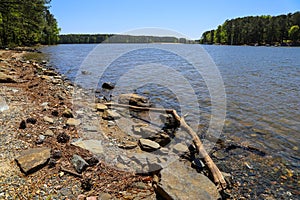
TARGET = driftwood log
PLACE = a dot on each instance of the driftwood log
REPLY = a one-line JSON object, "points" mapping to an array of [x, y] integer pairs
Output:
{"points": [[214, 170]]}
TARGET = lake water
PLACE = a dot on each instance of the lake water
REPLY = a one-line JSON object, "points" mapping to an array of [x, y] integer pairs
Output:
{"points": [[262, 85]]}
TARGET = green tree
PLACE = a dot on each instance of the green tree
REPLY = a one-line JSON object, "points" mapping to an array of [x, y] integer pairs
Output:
{"points": [[294, 33]]}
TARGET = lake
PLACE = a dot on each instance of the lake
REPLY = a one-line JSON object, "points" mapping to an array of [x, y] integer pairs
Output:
{"points": [[262, 85]]}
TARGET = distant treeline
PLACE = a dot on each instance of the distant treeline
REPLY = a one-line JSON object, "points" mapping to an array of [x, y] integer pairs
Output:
{"points": [[27, 22], [110, 38], [259, 30]]}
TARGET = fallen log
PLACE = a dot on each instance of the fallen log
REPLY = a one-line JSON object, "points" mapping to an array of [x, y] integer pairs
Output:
{"points": [[214, 170]]}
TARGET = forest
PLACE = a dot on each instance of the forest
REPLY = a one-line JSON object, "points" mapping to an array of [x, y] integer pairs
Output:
{"points": [[113, 38], [256, 30], [27, 22]]}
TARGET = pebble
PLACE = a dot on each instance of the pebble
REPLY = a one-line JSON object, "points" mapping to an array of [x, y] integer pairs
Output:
{"points": [[49, 120]]}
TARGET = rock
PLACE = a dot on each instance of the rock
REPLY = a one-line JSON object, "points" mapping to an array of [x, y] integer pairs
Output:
{"points": [[67, 113], [127, 145], [22, 124], [33, 159], [101, 107], [31, 120], [49, 133], [56, 154], [92, 198], [148, 145], [105, 196], [169, 121], [180, 148], [92, 161], [162, 139], [85, 72], [3, 105], [94, 146], [110, 123], [90, 128], [49, 120], [108, 85], [110, 115], [54, 113], [6, 78], [134, 100], [63, 138], [41, 139], [79, 163], [73, 122], [179, 181], [86, 184]]}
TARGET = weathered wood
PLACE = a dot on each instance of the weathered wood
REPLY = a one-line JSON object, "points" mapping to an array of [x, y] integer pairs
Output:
{"points": [[216, 173], [70, 172]]}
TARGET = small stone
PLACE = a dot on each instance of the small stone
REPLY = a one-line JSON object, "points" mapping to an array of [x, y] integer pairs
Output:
{"points": [[110, 123], [92, 198], [56, 154], [33, 159], [73, 122], [22, 124], [148, 145], [101, 107], [105, 196], [49, 120], [52, 163], [41, 139], [49, 133], [67, 113], [110, 115], [92, 161], [180, 148], [108, 85], [79, 163], [54, 113], [63, 138], [31, 120]]}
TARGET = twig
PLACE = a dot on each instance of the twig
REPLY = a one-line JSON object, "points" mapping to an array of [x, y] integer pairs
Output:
{"points": [[70, 172]]}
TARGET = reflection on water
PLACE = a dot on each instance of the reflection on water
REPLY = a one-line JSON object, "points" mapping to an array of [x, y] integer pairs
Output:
{"points": [[262, 88]]}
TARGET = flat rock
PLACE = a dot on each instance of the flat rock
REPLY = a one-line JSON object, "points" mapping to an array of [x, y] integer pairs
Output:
{"points": [[79, 163], [49, 120], [111, 115], [94, 146], [108, 85], [101, 107], [33, 159], [67, 113], [73, 122], [180, 182], [180, 148], [148, 145]]}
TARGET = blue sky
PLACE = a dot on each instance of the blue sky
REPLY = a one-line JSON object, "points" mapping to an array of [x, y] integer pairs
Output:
{"points": [[189, 17]]}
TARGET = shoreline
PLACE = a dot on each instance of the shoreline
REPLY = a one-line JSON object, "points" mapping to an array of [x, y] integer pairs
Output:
{"points": [[34, 92]]}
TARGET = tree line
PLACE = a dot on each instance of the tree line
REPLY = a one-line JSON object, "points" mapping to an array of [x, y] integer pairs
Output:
{"points": [[27, 22], [256, 30], [112, 38]]}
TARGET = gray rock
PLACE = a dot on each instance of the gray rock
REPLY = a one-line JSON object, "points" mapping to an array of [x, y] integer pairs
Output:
{"points": [[111, 115], [3, 105], [134, 99], [79, 163], [73, 122], [148, 145], [179, 182], [94, 146], [33, 159], [180, 148], [49, 120]]}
